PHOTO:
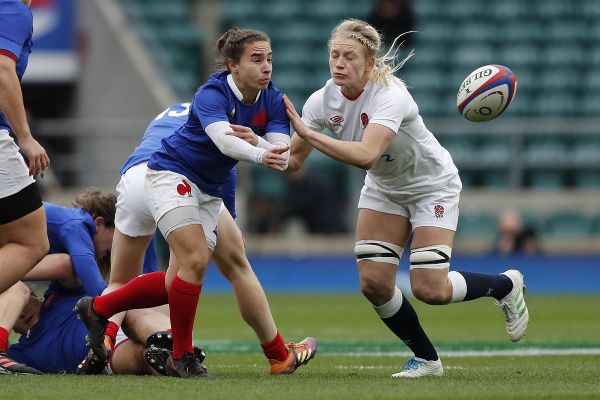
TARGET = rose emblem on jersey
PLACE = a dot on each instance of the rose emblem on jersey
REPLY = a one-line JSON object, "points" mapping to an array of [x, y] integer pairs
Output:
{"points": [[337, 120], [184, 188], [438, 211], [364, 119]]}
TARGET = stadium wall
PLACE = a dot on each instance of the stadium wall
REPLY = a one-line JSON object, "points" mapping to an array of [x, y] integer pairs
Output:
{"points": [[329, 274]]}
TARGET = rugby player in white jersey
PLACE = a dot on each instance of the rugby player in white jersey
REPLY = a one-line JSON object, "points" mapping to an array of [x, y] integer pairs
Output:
{"points": [[411, 186]]}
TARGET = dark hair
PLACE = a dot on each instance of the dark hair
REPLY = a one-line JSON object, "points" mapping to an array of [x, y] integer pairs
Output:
{"points": [[233, 42], [98, 204]]}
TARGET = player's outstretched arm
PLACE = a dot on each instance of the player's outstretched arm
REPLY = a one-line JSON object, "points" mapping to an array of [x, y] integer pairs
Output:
{"points": [[54, 267], [299, 153], [362, 154], [241, 150]]}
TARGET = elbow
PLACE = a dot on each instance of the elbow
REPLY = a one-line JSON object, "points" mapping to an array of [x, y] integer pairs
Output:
{"points": [[294, 164], [367, 162], [292, 167]]}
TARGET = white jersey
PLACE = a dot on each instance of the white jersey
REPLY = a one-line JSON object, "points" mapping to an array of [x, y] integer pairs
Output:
{"points": [[414, 163]]}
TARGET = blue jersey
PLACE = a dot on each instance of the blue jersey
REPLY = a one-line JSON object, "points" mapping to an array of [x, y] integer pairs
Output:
{"points": [[190, 152], [71, 231], [56, 343], [163, 126], [16, 30]]}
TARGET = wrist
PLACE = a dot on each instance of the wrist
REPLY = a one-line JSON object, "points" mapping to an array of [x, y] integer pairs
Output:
{"points": [[259, 156]]}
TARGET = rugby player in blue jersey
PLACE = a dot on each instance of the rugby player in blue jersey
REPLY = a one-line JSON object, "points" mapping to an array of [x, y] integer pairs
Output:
{"points": [[23, 240], [53, 338], [84, 233], [135, 225]]}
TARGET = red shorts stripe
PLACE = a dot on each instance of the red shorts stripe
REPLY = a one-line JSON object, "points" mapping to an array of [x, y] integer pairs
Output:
{"points": [[8, 54]]}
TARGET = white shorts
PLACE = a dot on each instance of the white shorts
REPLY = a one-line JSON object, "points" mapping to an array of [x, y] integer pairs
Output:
{"points": [[14, 173], [175, 201], [133, 216], [438, 209]]}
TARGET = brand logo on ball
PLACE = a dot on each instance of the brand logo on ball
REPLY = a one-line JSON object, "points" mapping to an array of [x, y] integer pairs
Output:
{"points": [[486, 93], [184, 188], [438, 210], [337, 120], [364, 120]]}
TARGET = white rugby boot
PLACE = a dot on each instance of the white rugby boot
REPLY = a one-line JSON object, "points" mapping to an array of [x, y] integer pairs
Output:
{"points": [[514, 308], [418, 367]]}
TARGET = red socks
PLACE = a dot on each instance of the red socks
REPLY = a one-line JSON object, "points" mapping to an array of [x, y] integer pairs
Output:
{"points": [[145, 291], [275, 349], [111, 331], [3, 339], [183, 300]]}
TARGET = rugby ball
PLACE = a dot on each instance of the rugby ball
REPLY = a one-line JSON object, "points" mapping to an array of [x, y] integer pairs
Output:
{"points": [[486, 92]]}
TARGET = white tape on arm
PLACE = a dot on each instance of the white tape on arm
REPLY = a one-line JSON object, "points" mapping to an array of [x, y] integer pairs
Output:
{"points": [[233, 146], [276, 139]]}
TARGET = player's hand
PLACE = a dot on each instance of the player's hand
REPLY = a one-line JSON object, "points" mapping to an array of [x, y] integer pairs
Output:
{"points": [[35, 156], [244, 133], [299, 126], [275, 159]]}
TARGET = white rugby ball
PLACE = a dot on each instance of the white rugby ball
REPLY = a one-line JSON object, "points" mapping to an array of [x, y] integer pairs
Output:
{"points": [[486, 92]]}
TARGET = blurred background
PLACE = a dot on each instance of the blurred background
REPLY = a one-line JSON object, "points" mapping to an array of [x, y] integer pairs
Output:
{"points": [[102, 69]]}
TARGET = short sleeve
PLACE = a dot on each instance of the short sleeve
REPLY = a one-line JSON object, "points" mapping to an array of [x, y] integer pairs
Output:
{"points": [[16, 24], [312, 112], [210, 105], [390, 108], [278, 120]]}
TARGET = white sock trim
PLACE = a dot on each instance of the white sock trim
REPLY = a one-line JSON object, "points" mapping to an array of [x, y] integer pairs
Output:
{"points": [[391, 307], [459, 286]]}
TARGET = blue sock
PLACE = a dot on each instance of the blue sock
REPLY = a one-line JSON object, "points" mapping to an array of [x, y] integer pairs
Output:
{"points": [[486, 285]]}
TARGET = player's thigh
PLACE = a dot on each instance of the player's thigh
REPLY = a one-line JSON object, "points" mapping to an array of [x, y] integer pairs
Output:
{"points": [[187, 217], [434, 217], [388, 231], [128, 359], [377, 225], [381, 217], [29, 230], [434, 240], [127, 256], [141, 323], [229, 252]]}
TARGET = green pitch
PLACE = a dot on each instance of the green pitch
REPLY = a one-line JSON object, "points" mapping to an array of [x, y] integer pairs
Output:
{"points": [[559, 358]]}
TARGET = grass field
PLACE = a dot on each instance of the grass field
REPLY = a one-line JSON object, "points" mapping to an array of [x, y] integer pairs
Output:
{"points": [[558, 359]]}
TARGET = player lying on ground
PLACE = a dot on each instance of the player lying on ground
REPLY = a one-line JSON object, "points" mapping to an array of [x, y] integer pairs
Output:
{"points": [[85, 233], [53, 339]]}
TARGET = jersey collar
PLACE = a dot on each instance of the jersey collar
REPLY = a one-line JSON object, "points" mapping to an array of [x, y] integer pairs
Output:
{"points": [[237, 91]]}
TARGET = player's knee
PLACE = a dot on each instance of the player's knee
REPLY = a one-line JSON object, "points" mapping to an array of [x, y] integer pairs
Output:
{"points": [[430, 294], [22, 291], [195, 261], [39, 249], [374, 289]]}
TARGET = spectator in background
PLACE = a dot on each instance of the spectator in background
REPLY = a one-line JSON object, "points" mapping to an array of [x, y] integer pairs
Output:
{"points": [[392, 18], [513, 236], [304, 191]]}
